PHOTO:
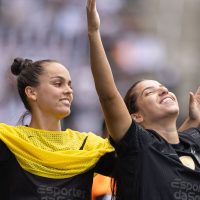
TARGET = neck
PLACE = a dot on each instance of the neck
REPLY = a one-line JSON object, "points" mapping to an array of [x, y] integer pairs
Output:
{"points": [[45, 123], [166, 129]]}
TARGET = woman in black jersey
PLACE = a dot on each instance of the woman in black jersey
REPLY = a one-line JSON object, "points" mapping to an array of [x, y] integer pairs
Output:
{"points": [[39, 160], [155, 162]]}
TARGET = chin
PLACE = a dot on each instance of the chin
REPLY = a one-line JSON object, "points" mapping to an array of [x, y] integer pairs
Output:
{"points": [[173, 109], [174, 112], [67, 114], [64, 114]]}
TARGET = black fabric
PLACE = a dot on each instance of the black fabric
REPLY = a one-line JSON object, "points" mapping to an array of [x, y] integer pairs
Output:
{"points": [[17, 184], [106, 164], [149, 168]]}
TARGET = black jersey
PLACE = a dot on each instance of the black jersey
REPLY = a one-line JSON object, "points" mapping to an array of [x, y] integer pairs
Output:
{"points": [[149, 167], [17, 184]]}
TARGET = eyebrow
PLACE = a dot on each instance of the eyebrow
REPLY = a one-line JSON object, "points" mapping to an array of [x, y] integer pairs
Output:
{"points": [[150, 87], [60, 77]]}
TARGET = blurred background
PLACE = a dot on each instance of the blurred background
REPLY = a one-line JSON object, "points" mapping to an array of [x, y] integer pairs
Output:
{"points": [[154, 39]]}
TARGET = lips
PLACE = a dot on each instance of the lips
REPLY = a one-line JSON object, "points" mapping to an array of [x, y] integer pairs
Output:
{"points": [[65, 101], [167, 99]]}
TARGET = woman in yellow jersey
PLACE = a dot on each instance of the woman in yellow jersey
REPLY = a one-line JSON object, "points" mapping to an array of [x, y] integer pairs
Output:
{"points": [[39, 161]]}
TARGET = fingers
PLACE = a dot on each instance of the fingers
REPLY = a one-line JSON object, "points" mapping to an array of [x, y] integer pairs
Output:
{"points": [[197, 95], [192, 98], [88, 3], [198, 91], [91, 4]]}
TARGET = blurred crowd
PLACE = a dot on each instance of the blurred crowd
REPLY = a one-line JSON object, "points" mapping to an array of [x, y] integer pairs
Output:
{"points": [[133, 36]]}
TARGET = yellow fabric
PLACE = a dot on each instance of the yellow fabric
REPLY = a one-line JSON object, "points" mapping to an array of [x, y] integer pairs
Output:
{"points": [[53, 154]]}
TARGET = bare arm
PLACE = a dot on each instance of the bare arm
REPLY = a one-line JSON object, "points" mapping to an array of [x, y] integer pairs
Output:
{"points": [[116, 114], [193, 120]]}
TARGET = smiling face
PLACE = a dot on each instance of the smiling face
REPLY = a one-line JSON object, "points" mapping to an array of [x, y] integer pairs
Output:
{"points": [[54, 95], [155, 102]]}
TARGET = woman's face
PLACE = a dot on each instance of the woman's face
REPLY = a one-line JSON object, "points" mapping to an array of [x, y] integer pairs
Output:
{"points": [[155, 102], [54, 94]]}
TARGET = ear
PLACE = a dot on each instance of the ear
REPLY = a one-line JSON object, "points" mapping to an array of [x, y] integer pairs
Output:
{"points": [[137, 117], [31, 93]]}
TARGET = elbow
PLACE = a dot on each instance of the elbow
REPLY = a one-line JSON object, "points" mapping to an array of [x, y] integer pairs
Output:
{"points": [[107, 98]]}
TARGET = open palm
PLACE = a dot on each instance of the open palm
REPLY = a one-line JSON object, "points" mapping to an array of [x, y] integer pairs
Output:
{"points": [[92, 16], [194, 107]]}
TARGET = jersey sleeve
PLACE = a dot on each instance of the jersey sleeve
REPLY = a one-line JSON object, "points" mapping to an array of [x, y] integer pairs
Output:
{"points": [[134, 140], [192, 134], [106, 164]]}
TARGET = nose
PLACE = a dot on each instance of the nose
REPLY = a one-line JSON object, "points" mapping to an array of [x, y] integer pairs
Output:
{"points": [[163, 90], [68, 90]]}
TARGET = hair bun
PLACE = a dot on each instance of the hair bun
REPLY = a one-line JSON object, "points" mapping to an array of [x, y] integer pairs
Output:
{"points": [[19, 64]]}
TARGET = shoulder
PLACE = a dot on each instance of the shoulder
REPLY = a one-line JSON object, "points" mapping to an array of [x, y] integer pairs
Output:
{"points": [[73, 134], [96, 142], [136, 134], [2, 125], [6, 127], [92, 140], [191, 134]]}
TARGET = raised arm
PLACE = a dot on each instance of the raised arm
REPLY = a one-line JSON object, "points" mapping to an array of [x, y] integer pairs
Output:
{"points": [[116, 114], [193, 120]]}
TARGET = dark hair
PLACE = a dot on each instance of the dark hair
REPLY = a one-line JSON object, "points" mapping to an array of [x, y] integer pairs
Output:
{"points": [[28, 73], [131, 98]]}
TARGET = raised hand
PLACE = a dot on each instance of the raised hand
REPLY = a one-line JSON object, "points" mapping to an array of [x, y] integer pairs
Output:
{"points": [[193, 120], [194, 106], [92, 16]]}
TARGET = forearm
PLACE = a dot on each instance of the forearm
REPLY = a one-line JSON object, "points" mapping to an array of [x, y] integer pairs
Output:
{"points": [[115, 112], [103, 78]]}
